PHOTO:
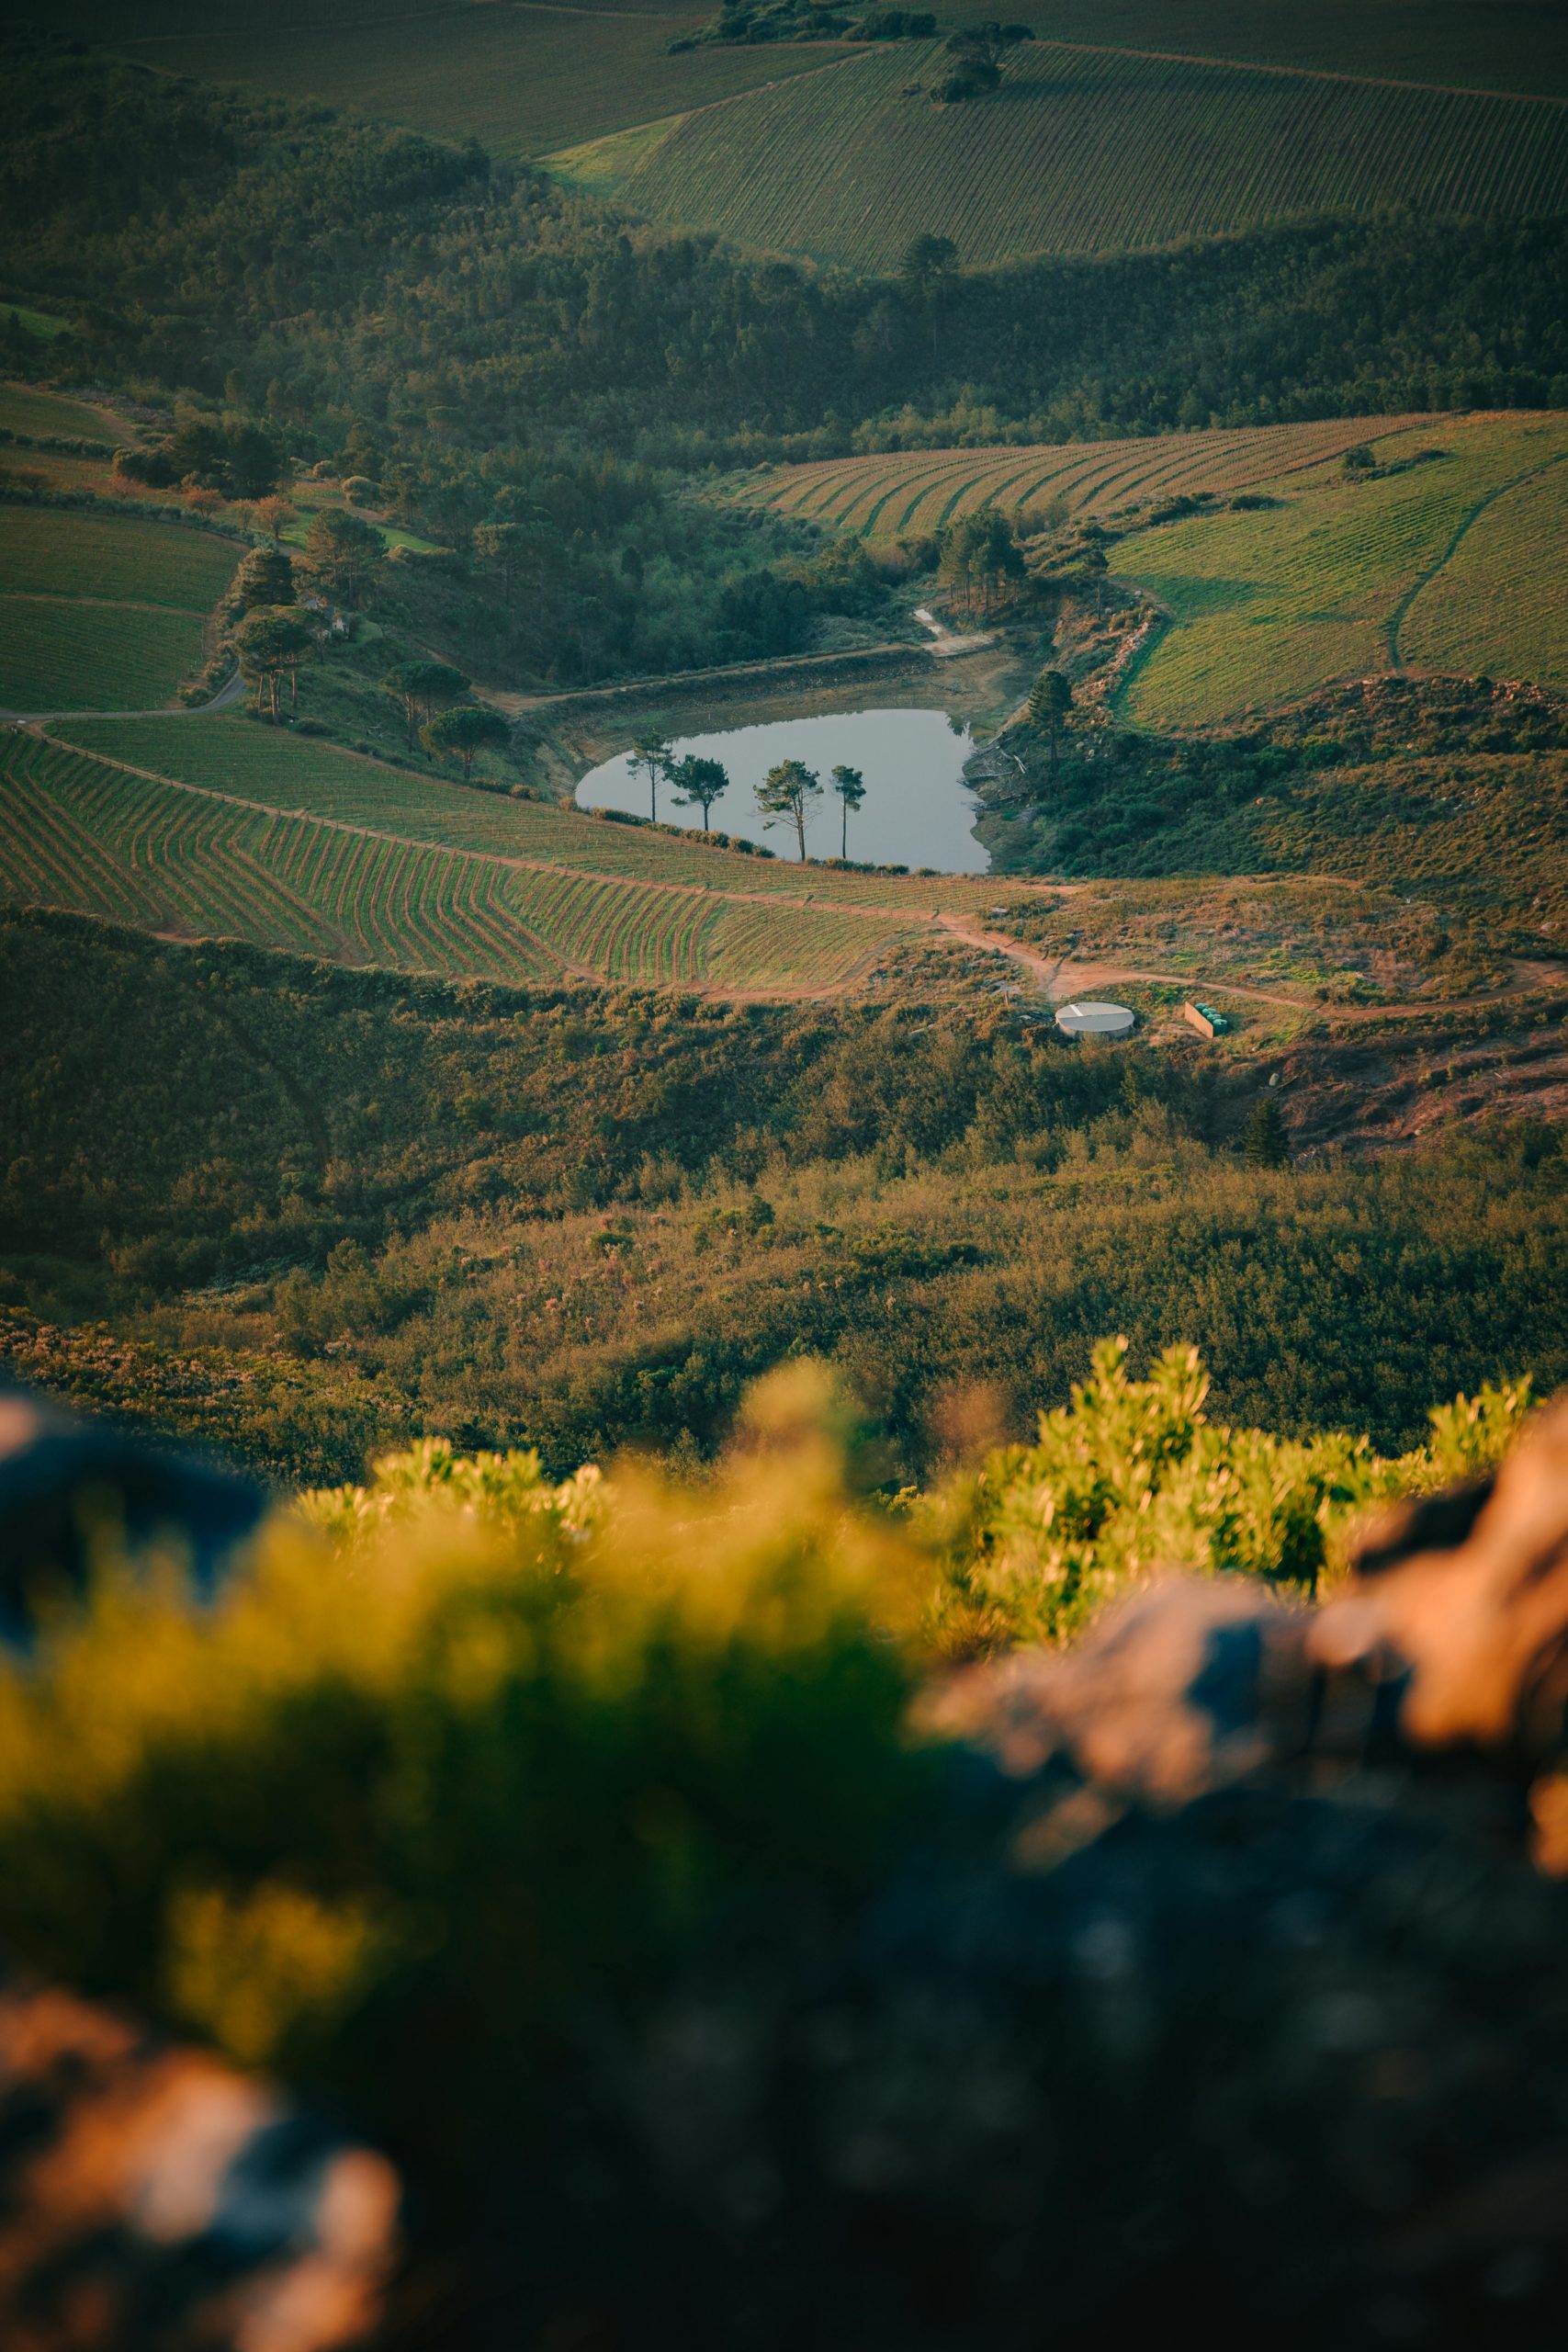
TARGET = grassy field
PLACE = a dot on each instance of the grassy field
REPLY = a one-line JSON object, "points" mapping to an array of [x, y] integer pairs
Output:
{"points": [[1347, 578], [102, 612], [1083, 151], [523, 80], [1499, 604], [23, 409], [913, 493], [77, 833]]}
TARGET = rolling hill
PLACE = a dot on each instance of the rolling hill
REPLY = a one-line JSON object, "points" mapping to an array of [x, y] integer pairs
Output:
{"points": [[522, 79], [1082, 151], [96, 838], [1442, 561]]}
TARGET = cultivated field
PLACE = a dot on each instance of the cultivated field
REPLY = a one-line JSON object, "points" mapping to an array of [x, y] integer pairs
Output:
{"points": [[521, 79], [1488, 44], [1083, 151], [1499, 604], [25, 410], [77, 833], [102, 612], [912, 494], [1422, 568], [236, 756]]}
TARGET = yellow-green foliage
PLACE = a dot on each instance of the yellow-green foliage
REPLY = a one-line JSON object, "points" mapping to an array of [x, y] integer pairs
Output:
{"points": [[465, 1757], [78, 834], [1351, 576], [1133, 1479], [403, 1804]]}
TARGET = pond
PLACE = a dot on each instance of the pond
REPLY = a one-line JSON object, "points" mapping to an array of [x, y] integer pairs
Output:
{"points": [[917, 811]]}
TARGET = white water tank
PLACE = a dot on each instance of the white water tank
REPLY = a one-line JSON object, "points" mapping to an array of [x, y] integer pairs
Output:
{"points": [[1091, 1019]]}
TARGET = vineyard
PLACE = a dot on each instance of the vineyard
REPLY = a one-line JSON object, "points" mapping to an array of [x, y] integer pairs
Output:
{"points": [[913, 494], [1420, 566], [1083, 151], [235, 755], [523, 80], [102, 611], [1500, 602], [78, 833]]}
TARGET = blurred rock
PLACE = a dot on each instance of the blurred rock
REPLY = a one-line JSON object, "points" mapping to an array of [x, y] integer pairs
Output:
{"points": [[153, 2200], [68, 1485]]}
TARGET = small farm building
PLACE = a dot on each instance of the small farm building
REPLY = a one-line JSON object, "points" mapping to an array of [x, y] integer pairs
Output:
{"points": [[1205, 1020], [1094, 1020]]}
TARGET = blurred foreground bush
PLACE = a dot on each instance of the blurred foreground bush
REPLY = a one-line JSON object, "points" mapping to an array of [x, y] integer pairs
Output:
{"points": [[461, 1764]]}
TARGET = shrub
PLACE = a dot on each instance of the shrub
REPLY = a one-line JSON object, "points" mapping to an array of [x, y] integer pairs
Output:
{"points": [[461, 1755], [1133, 1479]]}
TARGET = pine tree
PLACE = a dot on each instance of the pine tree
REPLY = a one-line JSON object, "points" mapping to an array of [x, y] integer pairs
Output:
{"points": [[1264, 1137]]}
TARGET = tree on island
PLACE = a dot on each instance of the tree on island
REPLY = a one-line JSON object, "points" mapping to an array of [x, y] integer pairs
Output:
{"points": [[424, 688], [850, 785], [785, 794], [650, 756], [464, 732], [1049, 703], [698, 784]]}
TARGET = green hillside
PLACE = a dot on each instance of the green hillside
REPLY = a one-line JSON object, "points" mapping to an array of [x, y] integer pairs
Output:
{"points": [[1082, 151], [278, 770], [521, 79], [25, 409], [101, 612], [1442, 562], [93, 839]]}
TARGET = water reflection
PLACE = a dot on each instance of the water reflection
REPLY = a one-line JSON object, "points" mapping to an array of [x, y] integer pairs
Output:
{"points": [[917, 809]]}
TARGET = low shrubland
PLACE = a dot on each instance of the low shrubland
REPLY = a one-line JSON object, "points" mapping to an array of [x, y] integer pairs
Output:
{"points": [[587, 1220]]}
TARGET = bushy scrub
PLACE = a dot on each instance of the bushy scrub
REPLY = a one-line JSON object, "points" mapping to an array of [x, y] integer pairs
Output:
{"points": [[461, 1761], [1133, 1479]]}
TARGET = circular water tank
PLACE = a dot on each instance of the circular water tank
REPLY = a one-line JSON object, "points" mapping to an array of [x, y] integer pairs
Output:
{"points": [[1089, 1019]]}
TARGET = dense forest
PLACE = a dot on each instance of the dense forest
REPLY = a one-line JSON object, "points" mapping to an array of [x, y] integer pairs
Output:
{"points": [[584, 1221]]}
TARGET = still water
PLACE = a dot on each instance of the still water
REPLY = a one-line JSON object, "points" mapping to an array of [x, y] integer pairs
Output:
{"points": [[917, 811]]}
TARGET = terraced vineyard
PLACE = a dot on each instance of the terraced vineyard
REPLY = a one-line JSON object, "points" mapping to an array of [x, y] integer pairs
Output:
{"points": [[234, 756], [912, 494], [78, 833], [101, 611], [1420, 568], [1083, 151]]}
